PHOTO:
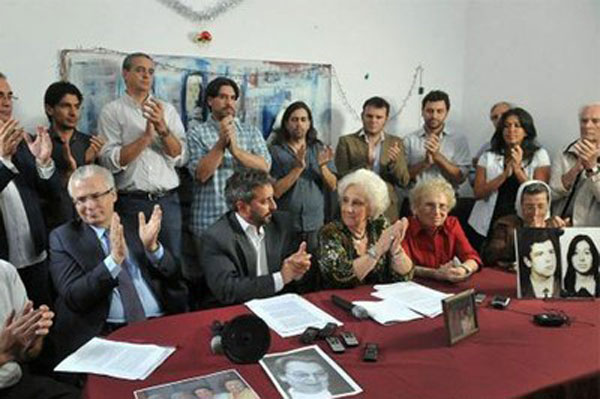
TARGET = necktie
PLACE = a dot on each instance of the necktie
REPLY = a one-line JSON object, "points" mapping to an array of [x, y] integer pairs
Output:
{"points": [[132, 306]]}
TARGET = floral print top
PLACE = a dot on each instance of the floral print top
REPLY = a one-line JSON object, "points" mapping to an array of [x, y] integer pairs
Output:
{"points": [[336, 253]]}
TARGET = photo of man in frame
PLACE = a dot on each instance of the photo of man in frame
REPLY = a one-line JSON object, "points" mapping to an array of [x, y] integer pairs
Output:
{"points": [[539, 263]]}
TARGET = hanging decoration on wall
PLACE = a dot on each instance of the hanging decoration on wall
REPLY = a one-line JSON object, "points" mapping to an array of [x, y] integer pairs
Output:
{"points": [[200, 11], [341, 92], [203, 37]]}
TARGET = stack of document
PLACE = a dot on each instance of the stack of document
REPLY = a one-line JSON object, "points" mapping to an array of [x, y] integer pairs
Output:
{"points": [[116, 359], [290, 314], [421, 299], [388, 311]]}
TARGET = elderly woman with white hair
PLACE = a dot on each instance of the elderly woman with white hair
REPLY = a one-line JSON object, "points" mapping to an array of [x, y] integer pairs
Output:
{"points": [[362, 248], [434, 241]]}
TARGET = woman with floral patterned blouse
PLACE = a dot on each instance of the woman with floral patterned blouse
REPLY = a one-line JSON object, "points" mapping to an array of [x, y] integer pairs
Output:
{"points": [[362, 248]]}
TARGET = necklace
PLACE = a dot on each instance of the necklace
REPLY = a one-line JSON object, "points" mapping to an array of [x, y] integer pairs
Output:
{"points": [[358, 238]]}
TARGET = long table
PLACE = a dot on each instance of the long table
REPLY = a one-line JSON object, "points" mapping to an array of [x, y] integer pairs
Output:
{"points": [[509, 357]]}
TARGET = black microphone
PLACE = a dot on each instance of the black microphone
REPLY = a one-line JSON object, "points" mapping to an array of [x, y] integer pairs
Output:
{"points": [[357, 311]]}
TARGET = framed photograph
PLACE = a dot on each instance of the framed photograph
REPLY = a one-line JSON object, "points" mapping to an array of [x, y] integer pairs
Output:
{"points": [[306, 373], [539, 262], [581, 262], [221, 385], [460, 316]]}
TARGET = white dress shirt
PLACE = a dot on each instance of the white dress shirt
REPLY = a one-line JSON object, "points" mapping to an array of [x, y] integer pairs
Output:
{"points": [[257, 238], [121, 122], [21, 248]]}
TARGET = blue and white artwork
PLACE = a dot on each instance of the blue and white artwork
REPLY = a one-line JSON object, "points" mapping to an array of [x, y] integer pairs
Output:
{"points": [[266, 87]]}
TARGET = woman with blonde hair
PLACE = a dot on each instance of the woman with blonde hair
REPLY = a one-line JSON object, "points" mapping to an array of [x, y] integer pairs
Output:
{"points": [[435, 242]]}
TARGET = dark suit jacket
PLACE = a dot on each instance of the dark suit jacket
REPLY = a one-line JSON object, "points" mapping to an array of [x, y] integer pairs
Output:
{"points": [[30, 187], [85, 285], [352, 153], [229, 259]]}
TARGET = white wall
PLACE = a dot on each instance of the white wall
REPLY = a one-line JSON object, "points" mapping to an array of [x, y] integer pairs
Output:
{"points": [[543, 54], [384, 39]]}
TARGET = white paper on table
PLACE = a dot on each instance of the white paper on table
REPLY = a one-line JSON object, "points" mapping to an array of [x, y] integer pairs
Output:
{"points": [[388, 311], [290, 314], [419, 298], [116, 359]]}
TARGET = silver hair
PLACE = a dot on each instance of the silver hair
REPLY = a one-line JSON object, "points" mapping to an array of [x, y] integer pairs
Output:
{"points": [[87, 171], [128, 61], [586, 106], [3, 76], [509, 105], [430, 186], [372, 185]]}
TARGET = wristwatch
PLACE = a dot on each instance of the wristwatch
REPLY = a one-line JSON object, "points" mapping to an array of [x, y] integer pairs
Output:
{"points": [[466, 269], [592, 171]]}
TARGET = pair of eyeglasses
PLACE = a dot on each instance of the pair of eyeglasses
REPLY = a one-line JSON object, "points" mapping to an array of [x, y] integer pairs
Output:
{"points": [[9, 97], [90, 197]]}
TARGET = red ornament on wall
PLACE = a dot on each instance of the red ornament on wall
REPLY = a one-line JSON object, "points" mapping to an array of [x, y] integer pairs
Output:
{"points": [[204, 37]]}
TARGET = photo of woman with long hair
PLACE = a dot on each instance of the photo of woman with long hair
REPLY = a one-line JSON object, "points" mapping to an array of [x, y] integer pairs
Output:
{"points": [[582, 278]]}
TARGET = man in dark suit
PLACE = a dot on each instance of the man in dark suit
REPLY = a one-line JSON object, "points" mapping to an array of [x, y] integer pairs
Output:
{"points": [[248, 252], [106, 274], [27, 173]]}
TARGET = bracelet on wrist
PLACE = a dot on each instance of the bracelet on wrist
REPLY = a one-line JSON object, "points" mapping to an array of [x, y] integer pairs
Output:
{"points": [[592, 171], [466, 269], [372, 253]]}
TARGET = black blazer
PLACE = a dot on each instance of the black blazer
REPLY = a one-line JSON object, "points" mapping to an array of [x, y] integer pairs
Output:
{"points": [[84, 284], [229, 259], [31, 187]]}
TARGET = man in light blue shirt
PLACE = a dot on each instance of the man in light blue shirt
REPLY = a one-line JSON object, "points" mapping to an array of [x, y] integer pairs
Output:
{"points": [[108, 274]]}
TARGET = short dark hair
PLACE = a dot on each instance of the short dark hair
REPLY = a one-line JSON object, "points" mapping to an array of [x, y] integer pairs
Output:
{"points": [[529, 144], [282, 135], [213, 88], [436, 95], [377, 102], [129, 59], [57, 90], [527, 239], [2, 76], [240, 186]]}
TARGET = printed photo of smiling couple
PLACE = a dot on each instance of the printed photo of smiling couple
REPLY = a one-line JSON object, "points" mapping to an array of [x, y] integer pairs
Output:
{"points": [[555, 263]]}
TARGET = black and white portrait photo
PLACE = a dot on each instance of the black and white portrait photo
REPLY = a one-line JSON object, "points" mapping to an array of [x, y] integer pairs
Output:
{"points": [[581, 263], [539, 263], [308, 373]]}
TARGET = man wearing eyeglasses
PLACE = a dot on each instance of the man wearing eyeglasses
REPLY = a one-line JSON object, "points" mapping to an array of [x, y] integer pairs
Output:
{"points": [[27, 172], [305, 376], [108, 273]]}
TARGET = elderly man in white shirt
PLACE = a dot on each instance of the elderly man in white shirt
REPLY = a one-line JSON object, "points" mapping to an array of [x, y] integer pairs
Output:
{"points": [[575, 175]]}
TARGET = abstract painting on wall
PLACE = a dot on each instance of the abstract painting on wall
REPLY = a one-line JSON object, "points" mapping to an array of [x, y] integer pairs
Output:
{"points": [[267, 87]]}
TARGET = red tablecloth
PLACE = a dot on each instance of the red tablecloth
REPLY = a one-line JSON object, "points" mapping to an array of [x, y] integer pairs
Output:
{"points": [[509, 357]]}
